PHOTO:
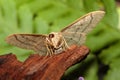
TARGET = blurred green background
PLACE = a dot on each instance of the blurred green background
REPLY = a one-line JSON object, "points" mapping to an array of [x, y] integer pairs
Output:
{"points": [[44, 16]]}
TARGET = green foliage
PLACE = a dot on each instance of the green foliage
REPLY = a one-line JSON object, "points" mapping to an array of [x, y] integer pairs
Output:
{"points": [[43, 16]]}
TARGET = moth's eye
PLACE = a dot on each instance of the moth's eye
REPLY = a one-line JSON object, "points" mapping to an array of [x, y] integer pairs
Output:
{"points": [[51, 35]]}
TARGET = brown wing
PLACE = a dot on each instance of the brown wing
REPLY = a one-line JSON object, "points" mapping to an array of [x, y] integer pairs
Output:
{"points": [[75, 32], [28, 41]]}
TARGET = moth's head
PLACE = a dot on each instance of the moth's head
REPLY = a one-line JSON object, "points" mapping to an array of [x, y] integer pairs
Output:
{"points": [[55, 39]]}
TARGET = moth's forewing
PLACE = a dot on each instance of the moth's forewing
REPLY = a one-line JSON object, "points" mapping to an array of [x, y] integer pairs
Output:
{"points": [[28, 41], [75, 32]]}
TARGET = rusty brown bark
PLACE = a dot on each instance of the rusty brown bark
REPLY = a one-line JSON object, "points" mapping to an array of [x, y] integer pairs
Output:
{"points": [[38, 67]]}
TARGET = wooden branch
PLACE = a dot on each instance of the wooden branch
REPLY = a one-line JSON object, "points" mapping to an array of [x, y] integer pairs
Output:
{"points": [[38, 67]]}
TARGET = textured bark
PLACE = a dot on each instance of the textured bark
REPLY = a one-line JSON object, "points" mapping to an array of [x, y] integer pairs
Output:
{"points": [[38, 67]]}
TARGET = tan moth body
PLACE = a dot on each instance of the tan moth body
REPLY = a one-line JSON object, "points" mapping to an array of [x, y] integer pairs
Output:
{"points": [[56, 42]]}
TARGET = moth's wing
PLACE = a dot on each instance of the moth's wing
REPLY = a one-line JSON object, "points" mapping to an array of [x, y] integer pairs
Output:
{"points": [[28, 41], [75, 32], [75, 38]]}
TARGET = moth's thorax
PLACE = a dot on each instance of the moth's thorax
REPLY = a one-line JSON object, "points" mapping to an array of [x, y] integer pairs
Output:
{"points": [[55, 39]]}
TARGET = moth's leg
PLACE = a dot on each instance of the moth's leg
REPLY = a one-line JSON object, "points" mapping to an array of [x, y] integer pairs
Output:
{"points": [[65, 44], [52, 51], [48, 47], [48, 50]]}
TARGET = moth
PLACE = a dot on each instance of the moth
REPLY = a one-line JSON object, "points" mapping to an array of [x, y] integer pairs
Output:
{"points": [[56, 42]]}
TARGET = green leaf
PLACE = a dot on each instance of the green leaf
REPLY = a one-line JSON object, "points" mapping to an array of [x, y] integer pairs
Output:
{"points": [[25, 19], [41, 26], [113, 73], [111, 17], [111, 53]]}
